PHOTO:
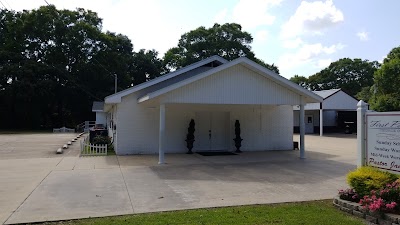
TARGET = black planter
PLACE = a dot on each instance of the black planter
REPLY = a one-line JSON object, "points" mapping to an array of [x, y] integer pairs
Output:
{"points": [[190, 137], [238, 140], [189, 145]]}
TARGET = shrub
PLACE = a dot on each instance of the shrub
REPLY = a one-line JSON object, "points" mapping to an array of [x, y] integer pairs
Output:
{"points": [[349, 195], [386, 199], [365, 179], [103, 140]]}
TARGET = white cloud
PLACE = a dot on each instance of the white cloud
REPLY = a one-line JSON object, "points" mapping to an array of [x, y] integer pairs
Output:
{"points": [[249, 14], [261, 36], [254, 13], [312, 18], [221, 16], [363, 36], [323, 63], [293, 43], [307, 54]]}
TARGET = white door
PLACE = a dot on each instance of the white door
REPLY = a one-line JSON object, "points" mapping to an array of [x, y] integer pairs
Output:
{"points": [[309, 124], [211, 131]]}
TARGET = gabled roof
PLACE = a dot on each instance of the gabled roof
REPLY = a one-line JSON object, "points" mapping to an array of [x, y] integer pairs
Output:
{"points": [[98, 107], [326, 93], [343, 101], [310, 96], [116, 98]]}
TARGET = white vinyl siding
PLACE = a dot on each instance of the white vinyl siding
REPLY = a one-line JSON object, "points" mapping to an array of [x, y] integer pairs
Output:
{"points": [[101, 118], [137, 127], [234, 85], [340, 101], [262, 127]]}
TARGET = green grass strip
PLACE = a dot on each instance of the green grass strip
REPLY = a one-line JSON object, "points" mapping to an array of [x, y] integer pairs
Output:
{"points": [[316, 212]]}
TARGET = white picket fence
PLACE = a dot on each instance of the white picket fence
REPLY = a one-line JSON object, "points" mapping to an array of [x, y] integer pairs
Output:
{"points": [[88, 149]]}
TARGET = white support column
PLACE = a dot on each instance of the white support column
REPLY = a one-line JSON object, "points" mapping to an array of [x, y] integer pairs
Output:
{"points": [[361, 110], [302, 129], [321, 121], [161, 135]]}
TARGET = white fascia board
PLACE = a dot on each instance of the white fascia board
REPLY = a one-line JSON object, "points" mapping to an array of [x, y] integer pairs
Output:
{"points": [[112, 99], [116, 98], [144, 98], [256, 67]]}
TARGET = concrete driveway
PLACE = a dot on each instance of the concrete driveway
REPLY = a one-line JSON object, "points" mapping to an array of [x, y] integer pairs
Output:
{"points": [[77, 187]]}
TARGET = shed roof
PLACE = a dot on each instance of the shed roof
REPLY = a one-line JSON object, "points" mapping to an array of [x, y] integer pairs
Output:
{"points": [[98, 106], [326, 93]]}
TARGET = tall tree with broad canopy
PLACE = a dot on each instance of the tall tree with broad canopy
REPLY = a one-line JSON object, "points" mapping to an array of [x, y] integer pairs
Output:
{"points": [[227, 40], [146, 66], [386, 89], [55, 63], [350, 75]]}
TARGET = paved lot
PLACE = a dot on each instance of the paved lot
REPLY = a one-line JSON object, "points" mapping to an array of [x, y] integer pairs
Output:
{"points": [[25, 160], [70, 187], [34, 145]]}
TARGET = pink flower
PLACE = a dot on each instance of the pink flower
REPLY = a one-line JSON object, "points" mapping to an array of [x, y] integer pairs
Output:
{"points": [[376, 205], [391, 205]]}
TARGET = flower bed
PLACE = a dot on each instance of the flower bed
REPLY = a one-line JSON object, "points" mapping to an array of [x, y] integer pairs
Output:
{"points": [[358, 210], [374, 195]]}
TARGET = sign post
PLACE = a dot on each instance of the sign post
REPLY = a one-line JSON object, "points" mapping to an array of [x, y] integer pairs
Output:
{"points": [[361, 110]]}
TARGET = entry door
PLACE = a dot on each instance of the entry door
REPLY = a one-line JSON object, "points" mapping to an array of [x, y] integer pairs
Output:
{"points": [[309, 124], [211, 131]]}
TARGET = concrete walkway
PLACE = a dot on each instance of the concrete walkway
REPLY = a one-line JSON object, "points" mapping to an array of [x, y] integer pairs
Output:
{"points": [[77, 187]]}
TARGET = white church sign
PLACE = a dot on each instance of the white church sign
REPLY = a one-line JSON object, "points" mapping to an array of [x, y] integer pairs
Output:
{"points": [[383, 140]]}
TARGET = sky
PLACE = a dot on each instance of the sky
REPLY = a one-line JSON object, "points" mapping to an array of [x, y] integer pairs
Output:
{"points": [[300, 37]]}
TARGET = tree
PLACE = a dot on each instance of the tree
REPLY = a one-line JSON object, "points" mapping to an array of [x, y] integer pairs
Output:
{"points": [[387, 85], [300, 80], [350, 75], [393, 54], [146, 66], [54, 63], [227, 40], [366, 93]]}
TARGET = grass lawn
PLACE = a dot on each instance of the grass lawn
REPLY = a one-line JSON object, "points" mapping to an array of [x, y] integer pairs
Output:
{"points": [[312, 213], [111, 151]]}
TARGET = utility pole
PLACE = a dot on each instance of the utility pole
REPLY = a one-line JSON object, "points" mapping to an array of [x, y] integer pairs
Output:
{"points": [[115, 81]]}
